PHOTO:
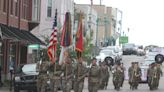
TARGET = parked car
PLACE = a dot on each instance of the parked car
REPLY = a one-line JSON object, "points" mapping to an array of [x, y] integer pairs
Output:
{"points": [[26, 78], [106, 53], [117, 50], [129, 48], [140, 52]]}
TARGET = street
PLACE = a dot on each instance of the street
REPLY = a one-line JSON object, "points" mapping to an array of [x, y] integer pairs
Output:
{"points": [[127, 62]]}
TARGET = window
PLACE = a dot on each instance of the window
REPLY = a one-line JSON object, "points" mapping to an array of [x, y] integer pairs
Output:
{"points": [[12, 52], [25, 9], [11, 7], [16, 7], [35, 10], [4, 5], [49, 8], [0, 4]]}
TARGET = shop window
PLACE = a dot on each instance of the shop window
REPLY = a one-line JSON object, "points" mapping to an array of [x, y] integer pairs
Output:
{"points": [[12, 52]]}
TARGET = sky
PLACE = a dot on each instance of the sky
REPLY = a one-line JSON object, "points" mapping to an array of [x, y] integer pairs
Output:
{"points": [[144, 18]]}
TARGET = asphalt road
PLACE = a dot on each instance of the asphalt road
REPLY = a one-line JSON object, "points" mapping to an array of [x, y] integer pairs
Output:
{"points": [[127, 62]]}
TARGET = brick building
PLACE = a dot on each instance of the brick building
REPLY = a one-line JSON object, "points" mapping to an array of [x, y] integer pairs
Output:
{"points": [[17, 18]]}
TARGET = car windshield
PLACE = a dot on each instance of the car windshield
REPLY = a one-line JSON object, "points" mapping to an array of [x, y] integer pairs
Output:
{"points": [[26, 69], [29, 68]]}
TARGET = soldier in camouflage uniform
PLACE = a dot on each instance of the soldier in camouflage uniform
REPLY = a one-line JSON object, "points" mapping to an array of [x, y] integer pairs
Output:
{"points": [[117, 76], [94, 77], [80, 72], [67, 75], [55, 76], [42, 68], [154, 76], [134, 76], [104, 75]]}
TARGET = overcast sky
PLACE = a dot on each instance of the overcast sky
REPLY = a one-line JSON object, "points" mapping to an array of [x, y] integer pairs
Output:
{"points": [[144, 18]]}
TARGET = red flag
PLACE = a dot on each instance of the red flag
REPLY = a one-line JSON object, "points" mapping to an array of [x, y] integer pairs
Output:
{"points": [[53, 41], [79, 37]]}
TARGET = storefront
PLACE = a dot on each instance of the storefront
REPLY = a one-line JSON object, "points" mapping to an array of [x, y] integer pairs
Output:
{"points": [[14, 46]]}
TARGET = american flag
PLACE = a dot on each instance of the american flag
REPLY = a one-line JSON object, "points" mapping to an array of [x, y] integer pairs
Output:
{"points": [[53, 40]]}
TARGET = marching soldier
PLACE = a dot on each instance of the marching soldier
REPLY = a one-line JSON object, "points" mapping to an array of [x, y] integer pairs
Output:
{"points": [[80, 73], [154, 76], [94, 77], [104, 75], [130, 74], [55, 76], [42, 68], [134, 75], [67, 75], [117, 77]]}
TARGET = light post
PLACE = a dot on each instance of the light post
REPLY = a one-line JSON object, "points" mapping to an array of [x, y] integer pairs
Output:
{"points": [[97, 24]]}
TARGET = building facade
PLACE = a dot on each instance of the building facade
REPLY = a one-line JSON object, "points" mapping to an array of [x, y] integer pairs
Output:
{"points": [[47, 15], [16, 21], [89, 21], [109, 24]]}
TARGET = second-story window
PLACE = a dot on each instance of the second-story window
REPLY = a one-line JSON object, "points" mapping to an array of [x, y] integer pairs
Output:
{"points": [[4, 5], [0, 5], [35, 10], [16, 7], [25, 9], [49, 8], [11, 7]]}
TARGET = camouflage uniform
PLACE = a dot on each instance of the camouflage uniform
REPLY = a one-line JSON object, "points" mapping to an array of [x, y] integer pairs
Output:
{"points": [[117, 77], [154, 76], [55, 77], [67, 76], [104, 76], [42, 77], [94, 78], [134, 76], [80, 74]]}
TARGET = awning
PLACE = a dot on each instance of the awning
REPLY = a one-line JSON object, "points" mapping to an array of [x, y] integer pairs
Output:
{"points": [[19, 35]]}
